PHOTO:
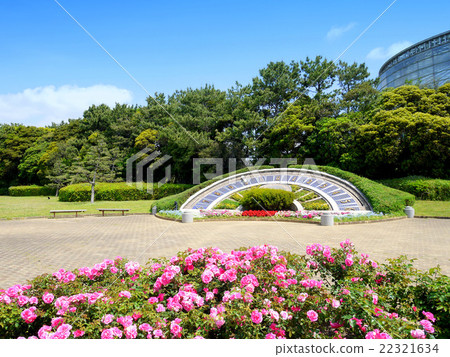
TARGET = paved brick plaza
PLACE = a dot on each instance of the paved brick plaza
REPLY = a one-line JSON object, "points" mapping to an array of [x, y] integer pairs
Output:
{"points": [[34, 246]]}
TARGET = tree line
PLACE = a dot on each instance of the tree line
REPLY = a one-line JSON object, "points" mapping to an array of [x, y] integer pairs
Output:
{"points": [[331, 112]]}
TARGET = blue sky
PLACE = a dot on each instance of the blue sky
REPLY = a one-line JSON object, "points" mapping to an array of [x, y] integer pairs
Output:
{"points": [[51, 70]]}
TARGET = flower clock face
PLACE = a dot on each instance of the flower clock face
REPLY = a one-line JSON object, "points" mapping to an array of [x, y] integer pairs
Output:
{"points": [[258, 292]]}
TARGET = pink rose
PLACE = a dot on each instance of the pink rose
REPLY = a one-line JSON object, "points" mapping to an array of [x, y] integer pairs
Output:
{"points": [[175, 329], [125, 321], [131, 332], [78, 333], [107, 334], [160, 308], [207, 276], [257, 317], [116, 332], [28, 315], [312, 315], [106, 319], [418, 333], [271, 336], [44, 332], [145, 327], [48, 298], [274, 315], [57, 321], [22, 300], [33, 300], [429, 316], [427, 326], [335, 303], [348, 262], [153, 300], [125, 293]]}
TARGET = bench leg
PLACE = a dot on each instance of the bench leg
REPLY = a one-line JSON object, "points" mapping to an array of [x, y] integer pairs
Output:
{"points": [[103, 213], [76, 214], [123, 213], [54, 215]]}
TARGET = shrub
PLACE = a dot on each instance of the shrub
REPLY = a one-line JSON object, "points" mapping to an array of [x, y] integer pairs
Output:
{"points": [[118, 191], [382, 198], [268, 199], [319, 205], [421, 187], [33, 190], [257, 292]]}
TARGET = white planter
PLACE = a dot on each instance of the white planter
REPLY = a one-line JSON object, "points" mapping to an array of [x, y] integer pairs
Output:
{"points": [[327, 219], [409, 211], [187, 217]]}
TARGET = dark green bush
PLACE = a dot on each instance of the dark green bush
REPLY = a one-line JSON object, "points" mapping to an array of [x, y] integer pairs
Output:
{"points": [[382, 198], [117, 191], [421, 187], [33, 190], [268, 199]]}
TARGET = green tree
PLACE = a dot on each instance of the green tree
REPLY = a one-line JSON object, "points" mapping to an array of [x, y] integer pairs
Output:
{"points": [[59, 175], [95, 164]]}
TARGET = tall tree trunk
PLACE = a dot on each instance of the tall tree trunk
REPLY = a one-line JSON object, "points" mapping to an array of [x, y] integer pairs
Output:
{"points": [[93, 189]]}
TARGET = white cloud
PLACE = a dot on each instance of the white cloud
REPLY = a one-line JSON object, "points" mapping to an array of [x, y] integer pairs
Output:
{"points": [[44, 105], [380, 53], [336, 32]]}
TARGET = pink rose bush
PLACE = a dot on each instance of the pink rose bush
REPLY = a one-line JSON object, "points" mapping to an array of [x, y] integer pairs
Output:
{"points": [[257, 292]]}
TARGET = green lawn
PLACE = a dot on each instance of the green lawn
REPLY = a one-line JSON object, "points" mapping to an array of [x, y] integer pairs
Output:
{"points": [[432, 208], [14, 207]]}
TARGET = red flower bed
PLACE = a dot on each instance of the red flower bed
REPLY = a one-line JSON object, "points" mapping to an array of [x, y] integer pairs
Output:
{"points": [[259, 213]]}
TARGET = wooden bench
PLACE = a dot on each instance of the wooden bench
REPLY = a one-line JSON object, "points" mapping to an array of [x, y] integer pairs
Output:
{"points": [[67, 211], [113, 210]]}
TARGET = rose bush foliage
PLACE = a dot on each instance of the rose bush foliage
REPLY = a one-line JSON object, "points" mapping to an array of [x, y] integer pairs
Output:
{"points": [[257, 292]]}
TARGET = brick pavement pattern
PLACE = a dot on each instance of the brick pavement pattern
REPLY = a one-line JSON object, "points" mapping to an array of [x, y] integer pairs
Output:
{"points": [[35, 246]]}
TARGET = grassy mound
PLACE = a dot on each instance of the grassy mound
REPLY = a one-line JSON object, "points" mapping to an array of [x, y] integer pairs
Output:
{"points": [[382, 198]]}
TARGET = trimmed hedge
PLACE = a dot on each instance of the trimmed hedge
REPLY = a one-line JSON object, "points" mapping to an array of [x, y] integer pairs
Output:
{"points": [[267, 199], [382, 198], [168, 203], [421, 187], [117, 191], [33, 190]]}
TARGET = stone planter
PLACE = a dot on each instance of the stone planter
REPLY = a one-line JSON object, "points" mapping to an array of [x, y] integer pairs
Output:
{"points": [[187, 217], [409, 211], [154, 210], [327, 219]]}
